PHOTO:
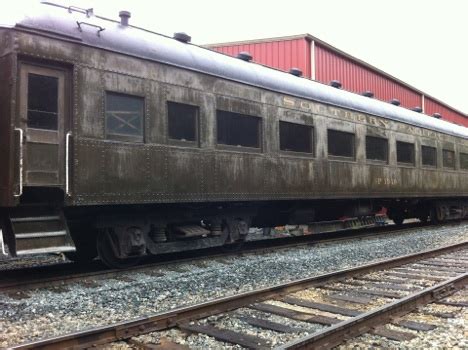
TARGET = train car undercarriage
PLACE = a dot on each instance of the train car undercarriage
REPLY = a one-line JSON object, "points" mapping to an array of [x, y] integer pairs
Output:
{"points": [[120, 235]]}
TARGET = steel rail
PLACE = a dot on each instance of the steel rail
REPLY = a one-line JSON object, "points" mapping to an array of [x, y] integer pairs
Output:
{"points": [[160, 321], [355, 326]]}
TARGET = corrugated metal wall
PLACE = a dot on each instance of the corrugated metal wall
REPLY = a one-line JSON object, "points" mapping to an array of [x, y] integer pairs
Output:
{"points": [[283, 55], [432, 106], [357, 78]]}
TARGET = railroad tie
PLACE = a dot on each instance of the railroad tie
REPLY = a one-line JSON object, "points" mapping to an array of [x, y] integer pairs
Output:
{"points": [[270, 325], [164, 344], [453, 303], [414, 276], [379, 279], [322, 307], [444, 264], [226, 335], [384, 285], [351, 298], [367, 291], [438, 269], [295, 315], [392, 334], [415, 326]]}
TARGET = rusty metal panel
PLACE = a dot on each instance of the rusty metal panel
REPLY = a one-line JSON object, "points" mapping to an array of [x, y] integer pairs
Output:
{"points": [[8, 167], [89, 96], [279, 54], [185, 173], [125, 170], [239, 175], [357, 78], [87, 168], [432, 106]]}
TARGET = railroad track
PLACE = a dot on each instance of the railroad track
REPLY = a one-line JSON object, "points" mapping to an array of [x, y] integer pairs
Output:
{"points": [[380, 292], [47, 276]]}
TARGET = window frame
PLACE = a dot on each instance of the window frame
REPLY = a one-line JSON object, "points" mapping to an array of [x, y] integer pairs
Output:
{"points": [[311, 133], [429, 166], [460, 160], [242, 148], [454, 167], [179, 142], [380, 161], [125, 138], [339, 157], [413, 163]]}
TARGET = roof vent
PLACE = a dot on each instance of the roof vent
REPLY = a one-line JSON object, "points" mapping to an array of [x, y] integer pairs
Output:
{"points": [[244, 56], [336, 84], [437, 115], [124, 17], [368, 93], [296, 71], [395, 102], [417, 109], [182, 37]]}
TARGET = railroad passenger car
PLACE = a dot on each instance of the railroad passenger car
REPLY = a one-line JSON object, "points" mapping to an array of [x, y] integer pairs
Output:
{"points": [[121, 142]]}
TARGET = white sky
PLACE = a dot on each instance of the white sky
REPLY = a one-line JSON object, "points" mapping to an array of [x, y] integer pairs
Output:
{"points": [[422, 42]]}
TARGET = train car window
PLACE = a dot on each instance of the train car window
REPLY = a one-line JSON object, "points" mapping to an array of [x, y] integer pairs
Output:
{"points": [[448, 159], [429, 156], [42, 102], [405, 152], [182, 121], [340, 143], [376, 148], [124, 117], [464, 161], [237, 129], [295, 137]]}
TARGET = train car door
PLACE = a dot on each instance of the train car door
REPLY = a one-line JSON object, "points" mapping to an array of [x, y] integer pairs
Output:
{"points": [[43, 115]]}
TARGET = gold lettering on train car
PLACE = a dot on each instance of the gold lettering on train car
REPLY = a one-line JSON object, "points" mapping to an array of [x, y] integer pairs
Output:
{"points": [[336, 112], [306, 105], [287, 101]]}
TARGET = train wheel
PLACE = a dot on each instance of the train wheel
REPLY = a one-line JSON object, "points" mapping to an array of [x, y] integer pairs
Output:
{"points": [[106, 242]]}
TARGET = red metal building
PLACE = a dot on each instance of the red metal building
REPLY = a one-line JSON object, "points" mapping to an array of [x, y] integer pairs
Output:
{"points": [[323, 62]]}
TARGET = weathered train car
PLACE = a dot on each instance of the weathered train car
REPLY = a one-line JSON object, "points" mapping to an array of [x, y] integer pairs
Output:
{"points": [[117, 137]]}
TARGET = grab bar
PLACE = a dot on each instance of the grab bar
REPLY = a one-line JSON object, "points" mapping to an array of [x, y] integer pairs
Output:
{"points": [[21, 133], [67, 165]]}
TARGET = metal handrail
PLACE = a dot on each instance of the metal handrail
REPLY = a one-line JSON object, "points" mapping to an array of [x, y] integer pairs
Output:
{"points": [[67, 165], [21, 133], [99, 28]]}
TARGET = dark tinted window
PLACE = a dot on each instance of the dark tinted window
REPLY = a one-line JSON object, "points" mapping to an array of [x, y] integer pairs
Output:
{"points": [[124, 117], [429, 156], [182, 121], [464, 161], [42, 102], [340, 143], [448, 158], [405, 152], [376, 148], [295, 137], [237, 129]]}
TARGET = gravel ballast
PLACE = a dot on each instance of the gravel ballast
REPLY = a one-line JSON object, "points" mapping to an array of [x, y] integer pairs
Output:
{"points": [[77, 306]]}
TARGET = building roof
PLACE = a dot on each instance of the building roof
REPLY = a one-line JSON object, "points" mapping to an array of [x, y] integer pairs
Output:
{"points": [[342, 53], [110, 35]]}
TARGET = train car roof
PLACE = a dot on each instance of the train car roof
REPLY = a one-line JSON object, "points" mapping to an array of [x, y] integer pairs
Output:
{"points": [[63, 21]]}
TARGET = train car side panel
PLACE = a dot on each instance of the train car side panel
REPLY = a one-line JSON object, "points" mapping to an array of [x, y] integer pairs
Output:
{"points": [[9, 139]]}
